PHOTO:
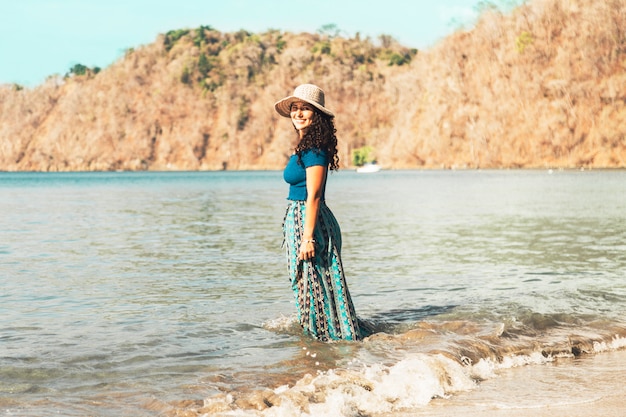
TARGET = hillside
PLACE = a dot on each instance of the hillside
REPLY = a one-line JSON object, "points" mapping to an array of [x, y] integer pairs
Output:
{"points": [[542, 86]]}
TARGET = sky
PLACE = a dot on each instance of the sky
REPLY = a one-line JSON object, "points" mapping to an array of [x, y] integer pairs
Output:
{"points": [[39, 38]]}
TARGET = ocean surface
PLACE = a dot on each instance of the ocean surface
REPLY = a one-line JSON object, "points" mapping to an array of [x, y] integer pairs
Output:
{"points": [[166, 294]]}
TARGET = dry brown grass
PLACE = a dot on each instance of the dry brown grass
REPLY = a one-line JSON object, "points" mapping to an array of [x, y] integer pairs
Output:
{"points": [[544, 86]]}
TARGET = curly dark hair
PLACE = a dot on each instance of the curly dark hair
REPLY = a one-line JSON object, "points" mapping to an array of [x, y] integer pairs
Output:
{"points": [[321, 135]]}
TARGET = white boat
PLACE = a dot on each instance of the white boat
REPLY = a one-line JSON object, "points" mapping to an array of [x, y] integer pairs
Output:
{"points": [[368, 168]]}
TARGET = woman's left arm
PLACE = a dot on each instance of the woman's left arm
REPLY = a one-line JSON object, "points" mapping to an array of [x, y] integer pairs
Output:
{"points": [[315, 176]]}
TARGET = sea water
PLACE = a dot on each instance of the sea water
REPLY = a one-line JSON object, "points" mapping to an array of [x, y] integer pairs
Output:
{"points": [[150, 294]]}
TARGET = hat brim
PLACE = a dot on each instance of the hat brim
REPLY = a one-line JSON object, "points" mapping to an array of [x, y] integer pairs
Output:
{"points": [[283, 106]]}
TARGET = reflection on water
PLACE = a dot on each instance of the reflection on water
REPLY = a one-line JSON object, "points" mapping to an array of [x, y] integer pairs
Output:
{"points": [[514, 235], [144, 286]]}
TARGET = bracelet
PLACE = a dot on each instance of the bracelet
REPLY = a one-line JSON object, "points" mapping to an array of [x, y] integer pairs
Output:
{"points": [[308, 240]]}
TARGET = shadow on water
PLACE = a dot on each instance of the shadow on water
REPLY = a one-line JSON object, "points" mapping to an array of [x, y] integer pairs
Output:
{"points": [[397, 320]]}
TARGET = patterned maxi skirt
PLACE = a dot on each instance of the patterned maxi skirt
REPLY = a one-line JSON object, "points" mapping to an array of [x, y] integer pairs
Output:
{"points": [[323, 302]]}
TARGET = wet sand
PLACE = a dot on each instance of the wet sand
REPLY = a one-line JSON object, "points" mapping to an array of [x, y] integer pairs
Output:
{"points": [[611, 406], [588, 386]]}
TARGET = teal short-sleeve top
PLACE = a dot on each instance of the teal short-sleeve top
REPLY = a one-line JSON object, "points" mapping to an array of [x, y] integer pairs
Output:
{"points": [[295, 173]]}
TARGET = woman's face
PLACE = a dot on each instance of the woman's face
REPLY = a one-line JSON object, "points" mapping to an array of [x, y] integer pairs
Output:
{"points": [[301, 115]]}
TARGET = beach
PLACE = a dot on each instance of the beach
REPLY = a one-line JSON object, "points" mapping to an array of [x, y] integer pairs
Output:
{"points": [[589, 386]]}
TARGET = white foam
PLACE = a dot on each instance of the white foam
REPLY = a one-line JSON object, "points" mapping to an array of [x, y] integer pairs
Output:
{"points": [[410, 383], [486, 368], [381, 388], [281, 324], [616, 343]]}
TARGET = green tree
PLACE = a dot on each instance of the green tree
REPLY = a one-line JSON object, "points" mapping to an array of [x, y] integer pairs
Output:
{"points": [[323, 47], [362, 155], [524, 40], [204, 65], [398, 59], [185, 77], [331, 30], [244, 113], [173, 36], [79, 69], [199, 35]]}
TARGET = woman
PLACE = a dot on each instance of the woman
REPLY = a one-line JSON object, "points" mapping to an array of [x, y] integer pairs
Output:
{"points": [[311, 232]]}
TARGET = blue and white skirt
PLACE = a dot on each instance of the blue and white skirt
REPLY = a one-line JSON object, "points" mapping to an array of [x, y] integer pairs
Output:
{"points": [[323, 302]]}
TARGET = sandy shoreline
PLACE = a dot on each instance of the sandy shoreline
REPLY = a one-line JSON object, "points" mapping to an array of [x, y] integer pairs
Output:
{"points": [[589, 386], [610, 406]]}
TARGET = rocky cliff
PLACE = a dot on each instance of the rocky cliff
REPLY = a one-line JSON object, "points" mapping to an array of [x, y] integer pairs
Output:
{"points": [[541, 86]]}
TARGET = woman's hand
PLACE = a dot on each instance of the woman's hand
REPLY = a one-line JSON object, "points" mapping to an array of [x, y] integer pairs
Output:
{"points": [[307, 250]]}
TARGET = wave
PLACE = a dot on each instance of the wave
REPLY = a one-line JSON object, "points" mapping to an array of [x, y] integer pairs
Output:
{"points": [[404, 368]]}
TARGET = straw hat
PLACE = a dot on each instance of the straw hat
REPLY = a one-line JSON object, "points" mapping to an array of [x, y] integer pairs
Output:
{"points": [[309, 93]]}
